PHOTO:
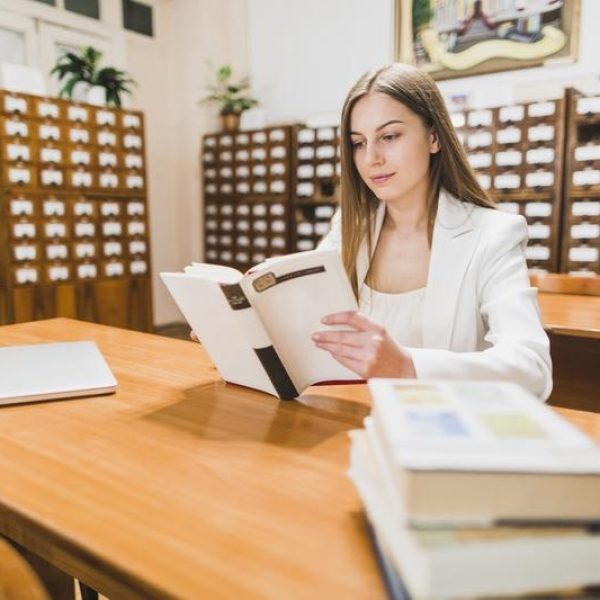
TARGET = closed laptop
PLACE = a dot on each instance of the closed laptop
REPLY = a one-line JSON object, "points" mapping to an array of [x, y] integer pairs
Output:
{"points": [[50, 371]]}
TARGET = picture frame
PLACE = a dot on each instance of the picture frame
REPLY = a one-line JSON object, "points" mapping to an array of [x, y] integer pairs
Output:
{"points": [[460, 38]]}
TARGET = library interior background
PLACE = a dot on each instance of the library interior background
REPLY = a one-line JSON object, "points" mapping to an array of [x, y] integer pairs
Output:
{"points": [[118, 162]]}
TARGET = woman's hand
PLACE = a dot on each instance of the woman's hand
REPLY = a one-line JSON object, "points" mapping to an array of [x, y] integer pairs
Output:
{"points": [[368, 350]]}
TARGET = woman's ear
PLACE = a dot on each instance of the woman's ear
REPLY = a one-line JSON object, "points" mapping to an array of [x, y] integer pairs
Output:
{"points": [[434, 142]]}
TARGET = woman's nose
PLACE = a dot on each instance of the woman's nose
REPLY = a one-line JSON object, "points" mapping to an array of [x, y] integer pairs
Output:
{"points": [[373, 154]]}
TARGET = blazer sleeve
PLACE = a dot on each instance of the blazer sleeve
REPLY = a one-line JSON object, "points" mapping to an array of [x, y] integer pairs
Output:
{"points": [[519, 347]]}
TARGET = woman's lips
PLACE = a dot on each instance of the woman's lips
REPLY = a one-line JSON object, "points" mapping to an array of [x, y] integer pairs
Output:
{"points": [[381, 179]]}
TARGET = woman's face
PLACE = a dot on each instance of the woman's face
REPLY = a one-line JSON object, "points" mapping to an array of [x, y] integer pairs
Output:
{"points": [[391, 147]]}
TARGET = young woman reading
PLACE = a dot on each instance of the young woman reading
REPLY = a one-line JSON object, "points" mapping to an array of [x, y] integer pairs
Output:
{"points": [[439, 273]]}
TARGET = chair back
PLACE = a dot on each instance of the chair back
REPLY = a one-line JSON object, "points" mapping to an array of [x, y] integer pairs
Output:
{"points": [[560, 283], [18, 581]]}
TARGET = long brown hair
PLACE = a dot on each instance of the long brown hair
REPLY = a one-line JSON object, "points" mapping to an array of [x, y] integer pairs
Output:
{"points": [[448, 168]]}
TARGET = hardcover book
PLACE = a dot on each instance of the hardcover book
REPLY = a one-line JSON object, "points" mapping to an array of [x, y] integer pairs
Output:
{"points": [[441, 562], [480, 453]]}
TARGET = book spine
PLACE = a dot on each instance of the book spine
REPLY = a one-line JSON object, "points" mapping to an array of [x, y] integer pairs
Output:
{"points": [[268, 357], [277, 373], [391, 577]]}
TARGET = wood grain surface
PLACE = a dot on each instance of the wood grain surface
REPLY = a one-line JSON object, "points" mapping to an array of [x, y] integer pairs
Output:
{"points": [[180, 486], [569, 314]]}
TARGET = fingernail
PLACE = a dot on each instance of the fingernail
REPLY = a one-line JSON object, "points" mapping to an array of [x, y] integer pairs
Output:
{"points": [[325, 319]]}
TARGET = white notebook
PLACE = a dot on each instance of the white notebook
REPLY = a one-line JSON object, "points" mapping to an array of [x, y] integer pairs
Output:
{"points": [[48, 371]]}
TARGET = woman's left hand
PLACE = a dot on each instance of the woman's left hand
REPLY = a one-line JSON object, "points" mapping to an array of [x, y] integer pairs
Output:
{"points": [[368, 350]]}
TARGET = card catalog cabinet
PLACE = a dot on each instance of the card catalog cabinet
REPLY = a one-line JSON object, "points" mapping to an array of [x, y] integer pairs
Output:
{"points": [[267, 192], [315, 195], [581, 213], [74, 230], [274, 191], [247, 179], [517, 153]]}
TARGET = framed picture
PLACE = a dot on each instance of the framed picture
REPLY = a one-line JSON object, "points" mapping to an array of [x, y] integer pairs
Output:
{"points": [[457, 38]]}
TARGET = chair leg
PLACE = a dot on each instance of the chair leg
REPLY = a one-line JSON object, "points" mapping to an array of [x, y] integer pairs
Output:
{"points": [[87, 593]]}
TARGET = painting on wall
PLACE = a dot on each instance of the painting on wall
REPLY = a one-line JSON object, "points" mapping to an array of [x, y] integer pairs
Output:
{"points": [[457, 38]]}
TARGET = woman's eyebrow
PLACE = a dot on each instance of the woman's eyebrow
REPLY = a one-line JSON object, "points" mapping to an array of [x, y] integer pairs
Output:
{"points": [[380, 126]]}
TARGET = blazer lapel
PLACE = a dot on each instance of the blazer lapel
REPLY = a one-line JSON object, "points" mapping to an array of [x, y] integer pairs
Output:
{"points": [[454, 240]]}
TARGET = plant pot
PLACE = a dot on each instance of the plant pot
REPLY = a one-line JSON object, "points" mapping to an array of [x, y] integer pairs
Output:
{"points": [[230, 122], [80, 91], [97, 95]]}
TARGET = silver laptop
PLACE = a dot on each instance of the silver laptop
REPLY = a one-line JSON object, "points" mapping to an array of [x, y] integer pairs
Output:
{"points": [[49, 371]]}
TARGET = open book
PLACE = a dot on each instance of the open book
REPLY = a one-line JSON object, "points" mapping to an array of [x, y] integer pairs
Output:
{"points": [[257, 327]]}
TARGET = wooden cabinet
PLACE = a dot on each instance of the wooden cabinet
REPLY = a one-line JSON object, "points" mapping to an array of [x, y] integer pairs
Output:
{"points": [[274, 191], [581, 215], [74, 238], [267, 192], [517, 153]]}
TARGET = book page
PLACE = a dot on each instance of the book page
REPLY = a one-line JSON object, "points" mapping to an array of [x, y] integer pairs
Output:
{"points": [[217, 273], [292, 295], [229, 336]]}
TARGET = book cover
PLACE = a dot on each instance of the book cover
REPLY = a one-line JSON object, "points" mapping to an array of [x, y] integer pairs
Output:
{"points": [[455, 452], [478, 426]]}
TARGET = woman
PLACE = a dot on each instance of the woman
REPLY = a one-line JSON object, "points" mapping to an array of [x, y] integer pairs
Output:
{"points": [[440, 274]]}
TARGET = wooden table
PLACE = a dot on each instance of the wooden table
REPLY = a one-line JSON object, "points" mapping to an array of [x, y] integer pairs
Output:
{"points": [[181, 486], [570, 314], [573, 324]]}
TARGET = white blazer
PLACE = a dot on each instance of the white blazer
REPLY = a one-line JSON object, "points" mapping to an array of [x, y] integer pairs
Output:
{"points": [[481, 319]]}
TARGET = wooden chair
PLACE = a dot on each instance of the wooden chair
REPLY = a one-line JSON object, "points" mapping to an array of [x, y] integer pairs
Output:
{"points": [[18, 580], [575, 355], [560, 283]]}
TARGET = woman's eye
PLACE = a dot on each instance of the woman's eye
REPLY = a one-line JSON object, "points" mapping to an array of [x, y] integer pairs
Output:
{"points": [[390, 137], [357, 144]]}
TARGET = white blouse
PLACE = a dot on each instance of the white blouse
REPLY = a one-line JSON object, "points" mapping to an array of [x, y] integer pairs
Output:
{"points": [[401, 314]]}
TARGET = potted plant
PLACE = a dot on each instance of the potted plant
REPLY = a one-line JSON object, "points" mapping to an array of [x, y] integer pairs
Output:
{"points": [[115, 82], [231, 96], [82, 74]]}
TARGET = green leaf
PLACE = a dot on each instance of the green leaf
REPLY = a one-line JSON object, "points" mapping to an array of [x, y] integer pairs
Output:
{"points": [[229, 95], [67, 89], [224, 73], [85, 67]]}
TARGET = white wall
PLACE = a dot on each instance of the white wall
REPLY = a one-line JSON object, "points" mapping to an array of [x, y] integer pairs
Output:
{"points": [[305, 54], [172, 74]]}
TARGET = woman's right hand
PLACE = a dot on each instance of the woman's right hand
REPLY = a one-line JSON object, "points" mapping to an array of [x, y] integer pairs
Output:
{"points": [[367, 348]]}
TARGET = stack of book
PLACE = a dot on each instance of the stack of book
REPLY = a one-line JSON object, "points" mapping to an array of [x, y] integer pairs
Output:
{"points": [[476, 489]]}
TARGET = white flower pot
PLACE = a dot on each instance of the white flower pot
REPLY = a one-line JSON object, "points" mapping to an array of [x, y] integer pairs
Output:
{"points": [[80, 91], [97, 95]]}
